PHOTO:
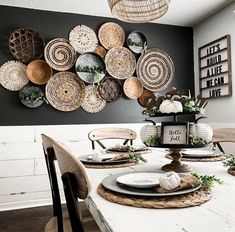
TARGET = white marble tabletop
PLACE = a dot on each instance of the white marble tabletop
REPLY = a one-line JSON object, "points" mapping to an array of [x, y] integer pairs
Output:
{"points": [[217, 215]]}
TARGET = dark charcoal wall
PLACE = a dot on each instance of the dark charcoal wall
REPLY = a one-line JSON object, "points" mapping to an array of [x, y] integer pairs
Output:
{"points": [[176, 41]]}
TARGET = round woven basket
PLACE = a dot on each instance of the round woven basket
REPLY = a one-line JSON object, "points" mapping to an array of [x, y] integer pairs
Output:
{"points": [[26, 45], [13, 75], [110, 89], [111, 35], [65, 91], [83, 39], [133, 87], [100, 51], [60, 55], [39, 72], [146, 97], [120, 62], [155, 69]]}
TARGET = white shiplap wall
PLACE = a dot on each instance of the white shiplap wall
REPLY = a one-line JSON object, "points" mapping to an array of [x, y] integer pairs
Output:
{"points": [[23, 174]]}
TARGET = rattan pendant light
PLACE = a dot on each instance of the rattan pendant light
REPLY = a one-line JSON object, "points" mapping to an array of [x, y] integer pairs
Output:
{"points": [[138, 11]]}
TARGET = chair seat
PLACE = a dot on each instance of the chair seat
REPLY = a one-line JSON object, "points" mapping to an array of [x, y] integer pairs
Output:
{"points": [[88, 222], [51, 225]]}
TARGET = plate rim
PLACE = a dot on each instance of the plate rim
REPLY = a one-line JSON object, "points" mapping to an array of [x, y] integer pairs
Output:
{"points": [[119, 188]]}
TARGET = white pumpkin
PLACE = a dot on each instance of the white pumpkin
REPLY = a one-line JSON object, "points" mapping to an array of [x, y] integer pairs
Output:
{"points": [[169, 180], [201, 130], [170, 106]]}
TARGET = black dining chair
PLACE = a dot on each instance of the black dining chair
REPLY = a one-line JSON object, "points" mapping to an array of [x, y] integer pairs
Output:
{"points": [[76, 186], [125, 134], [56, 223]]}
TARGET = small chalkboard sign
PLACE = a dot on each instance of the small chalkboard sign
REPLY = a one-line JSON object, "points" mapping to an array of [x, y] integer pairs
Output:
{"points": [[174, 133], [215, 68]]}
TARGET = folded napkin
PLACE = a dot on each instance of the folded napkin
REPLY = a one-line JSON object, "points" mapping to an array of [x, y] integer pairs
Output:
{"points": [[121, 157], [185, 183]]}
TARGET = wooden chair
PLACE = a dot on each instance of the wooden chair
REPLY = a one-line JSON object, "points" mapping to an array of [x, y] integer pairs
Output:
{"points": [[76, 185], [223, 135], [111, 133], [56, 223]]}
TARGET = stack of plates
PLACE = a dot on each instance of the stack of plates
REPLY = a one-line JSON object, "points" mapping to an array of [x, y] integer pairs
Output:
{"points": [[193, 153]]}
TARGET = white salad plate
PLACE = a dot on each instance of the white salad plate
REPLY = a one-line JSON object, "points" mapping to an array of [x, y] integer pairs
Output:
{"points": [[140, 180], [198, 153]]}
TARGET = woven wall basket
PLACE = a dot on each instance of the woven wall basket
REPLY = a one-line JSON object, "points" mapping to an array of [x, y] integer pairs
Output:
{"points": [[155, 69], [120, 62], [13, 75], [133, 87], [111, 35], [65, 91], [26, 45], [60, 55], [83, 39]]}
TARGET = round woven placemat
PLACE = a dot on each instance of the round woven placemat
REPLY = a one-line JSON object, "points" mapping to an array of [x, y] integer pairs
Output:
{"points": [[155, 70], [136, 152], [110, 89], [59, 54], [190, 199], [26, 44], [122, 165], [65, 91], [120, 62], [92, 102], [83, 39], [111, 35], [13, 75], [231, 171], [206, 159]]}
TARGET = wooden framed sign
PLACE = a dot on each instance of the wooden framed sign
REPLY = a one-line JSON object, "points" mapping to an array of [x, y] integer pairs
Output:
{"points": [[215, 68], [174, 133]]}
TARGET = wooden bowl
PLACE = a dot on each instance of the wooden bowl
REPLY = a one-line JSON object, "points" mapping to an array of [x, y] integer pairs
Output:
{"points": [[133, 87], [39, 72]]}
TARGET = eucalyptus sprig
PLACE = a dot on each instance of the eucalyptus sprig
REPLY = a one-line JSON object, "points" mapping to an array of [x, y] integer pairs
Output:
{"points": [[195, 140], [207, 181], [133, 156], [153, 141], [229, 161]]}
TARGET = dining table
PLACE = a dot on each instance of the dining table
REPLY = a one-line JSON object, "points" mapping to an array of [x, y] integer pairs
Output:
{"points": [[216, 214]]}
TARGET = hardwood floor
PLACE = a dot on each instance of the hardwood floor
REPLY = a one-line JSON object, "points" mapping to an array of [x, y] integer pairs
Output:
{"points": [[34, 219]]}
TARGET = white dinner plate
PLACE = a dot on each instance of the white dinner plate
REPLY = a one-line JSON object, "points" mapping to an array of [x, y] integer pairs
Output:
{"points": [[140, 180], [198, 153]]}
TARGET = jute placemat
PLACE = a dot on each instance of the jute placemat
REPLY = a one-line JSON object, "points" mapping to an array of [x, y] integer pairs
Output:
{"points": [[104, 166], [136, 152], [190, 199], [231, 171], [208, 159]]}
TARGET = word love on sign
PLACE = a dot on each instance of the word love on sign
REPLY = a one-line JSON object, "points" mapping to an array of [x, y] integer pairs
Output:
{"points": [[174, 133], [215, 68]]}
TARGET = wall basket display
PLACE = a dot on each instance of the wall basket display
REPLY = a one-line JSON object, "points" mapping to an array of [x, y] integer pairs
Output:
{"points": [[215, 68]]}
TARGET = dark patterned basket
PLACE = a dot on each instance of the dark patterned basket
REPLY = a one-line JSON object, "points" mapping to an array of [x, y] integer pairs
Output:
{"points": [[26, 45], [110, 89]]}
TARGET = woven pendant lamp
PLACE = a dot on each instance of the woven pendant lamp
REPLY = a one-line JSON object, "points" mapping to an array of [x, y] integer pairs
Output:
{"points": [[138, 11]]}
